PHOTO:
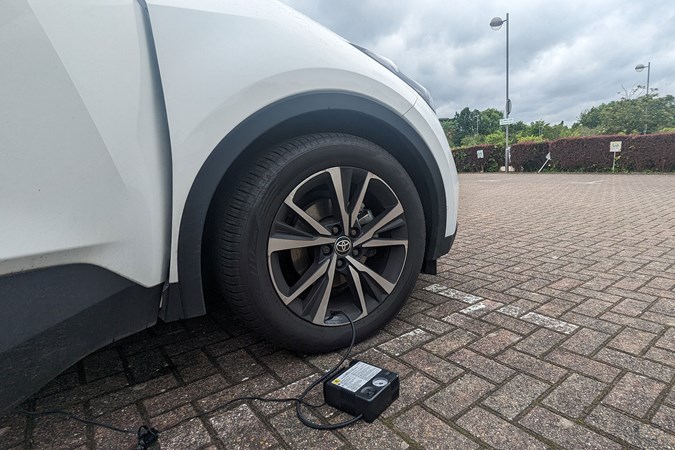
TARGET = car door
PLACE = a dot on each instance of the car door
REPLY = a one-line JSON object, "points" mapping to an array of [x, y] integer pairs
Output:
{"points": [[84, 183]]}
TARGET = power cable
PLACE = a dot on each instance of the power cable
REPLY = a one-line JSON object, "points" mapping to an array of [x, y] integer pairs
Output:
{"points": [[147, 436]]}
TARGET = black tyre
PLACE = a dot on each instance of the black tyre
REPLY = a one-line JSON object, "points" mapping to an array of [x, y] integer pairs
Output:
{"points": [[319, 224]]}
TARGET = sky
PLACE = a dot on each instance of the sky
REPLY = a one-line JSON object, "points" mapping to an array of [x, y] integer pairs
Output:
{"points": [[564, 57]]}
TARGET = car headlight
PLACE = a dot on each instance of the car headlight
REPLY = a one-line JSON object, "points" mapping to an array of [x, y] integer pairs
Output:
{"points": [[389, 64]]}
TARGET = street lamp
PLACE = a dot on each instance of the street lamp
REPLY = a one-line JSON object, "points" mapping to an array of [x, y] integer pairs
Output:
{"points": [[496, 24], [640, 68]]}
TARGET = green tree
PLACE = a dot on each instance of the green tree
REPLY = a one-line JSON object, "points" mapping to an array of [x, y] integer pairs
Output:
{"points": [[660, 113], [516, 128], [489, 121], [560, 130], [498, 137], [448, 126], [627, 115], [546, 131], [590, 118], [470, 127], [578, 130], [530, 138], [465, 123], [630, 115]]}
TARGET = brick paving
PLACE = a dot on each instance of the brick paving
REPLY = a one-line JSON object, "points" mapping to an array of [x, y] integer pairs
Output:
{"points": [[551, 324]]}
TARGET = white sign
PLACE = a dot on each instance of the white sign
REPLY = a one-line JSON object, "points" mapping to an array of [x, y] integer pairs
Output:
{"points": [[548, 156], [615, 146], [479, 154], [356, 376], [508, 121]]}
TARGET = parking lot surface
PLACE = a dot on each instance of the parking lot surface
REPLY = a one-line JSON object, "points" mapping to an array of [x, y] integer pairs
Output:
{"points": [[551, 323]]}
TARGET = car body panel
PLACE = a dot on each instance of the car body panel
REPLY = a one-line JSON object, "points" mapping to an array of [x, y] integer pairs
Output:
{"points": [[86, 177], [84, 184], [304, 114], [423, 120], [213, 78]]}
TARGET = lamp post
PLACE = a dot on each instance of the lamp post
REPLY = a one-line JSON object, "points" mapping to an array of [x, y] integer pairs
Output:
{"points": [[496, 24], [640, 68]]}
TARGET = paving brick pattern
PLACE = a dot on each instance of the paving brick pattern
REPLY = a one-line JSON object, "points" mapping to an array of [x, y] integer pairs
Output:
{"points": [[551, 324]]}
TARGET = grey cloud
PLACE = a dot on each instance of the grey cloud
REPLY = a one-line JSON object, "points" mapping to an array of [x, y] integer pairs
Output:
{"points": [[565, 56]]}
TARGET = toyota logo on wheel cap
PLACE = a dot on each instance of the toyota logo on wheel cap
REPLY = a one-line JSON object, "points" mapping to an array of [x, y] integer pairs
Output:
{"points": [[343, 245]]}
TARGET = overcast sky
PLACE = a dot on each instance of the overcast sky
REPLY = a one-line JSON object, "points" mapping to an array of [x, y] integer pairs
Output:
{"points": [[564, 56]]}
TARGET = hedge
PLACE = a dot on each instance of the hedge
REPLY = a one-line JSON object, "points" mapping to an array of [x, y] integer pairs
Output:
{"points": [[652, 152], [466, 159], [529, 156]]}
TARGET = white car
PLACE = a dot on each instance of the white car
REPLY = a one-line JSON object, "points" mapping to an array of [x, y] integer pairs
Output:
{"points": [[149, 146]]}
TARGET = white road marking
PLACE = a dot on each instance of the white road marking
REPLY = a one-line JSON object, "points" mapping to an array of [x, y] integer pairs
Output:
{"points": [[473, 308], [453, 293], [435, 288], [461, 296], [512, 311], [550, 322]]}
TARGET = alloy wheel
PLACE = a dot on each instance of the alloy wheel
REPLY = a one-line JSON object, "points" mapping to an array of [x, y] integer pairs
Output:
{"points": [[339, 242]]}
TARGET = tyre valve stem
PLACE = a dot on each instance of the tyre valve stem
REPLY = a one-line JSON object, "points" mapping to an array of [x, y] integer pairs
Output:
{"points": [[366, 217]]}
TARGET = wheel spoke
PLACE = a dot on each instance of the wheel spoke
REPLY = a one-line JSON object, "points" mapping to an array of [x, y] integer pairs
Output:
{"points": [[380, 223], [376, 277], [306, 217], [281, 242], [356, 279], [320, 315], [307, 279], [359, 200], [386, 243], [341, 195]]}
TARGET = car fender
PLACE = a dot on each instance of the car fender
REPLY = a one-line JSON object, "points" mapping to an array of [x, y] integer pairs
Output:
{"points": [[209, 57]]}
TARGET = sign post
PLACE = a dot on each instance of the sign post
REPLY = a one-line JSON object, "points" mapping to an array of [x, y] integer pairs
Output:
{"points": [[614, 148], [505, 123], [548, 158]]}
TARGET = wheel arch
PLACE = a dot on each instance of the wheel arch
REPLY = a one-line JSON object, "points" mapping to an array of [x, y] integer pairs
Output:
{"points": [[291, 117]]}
